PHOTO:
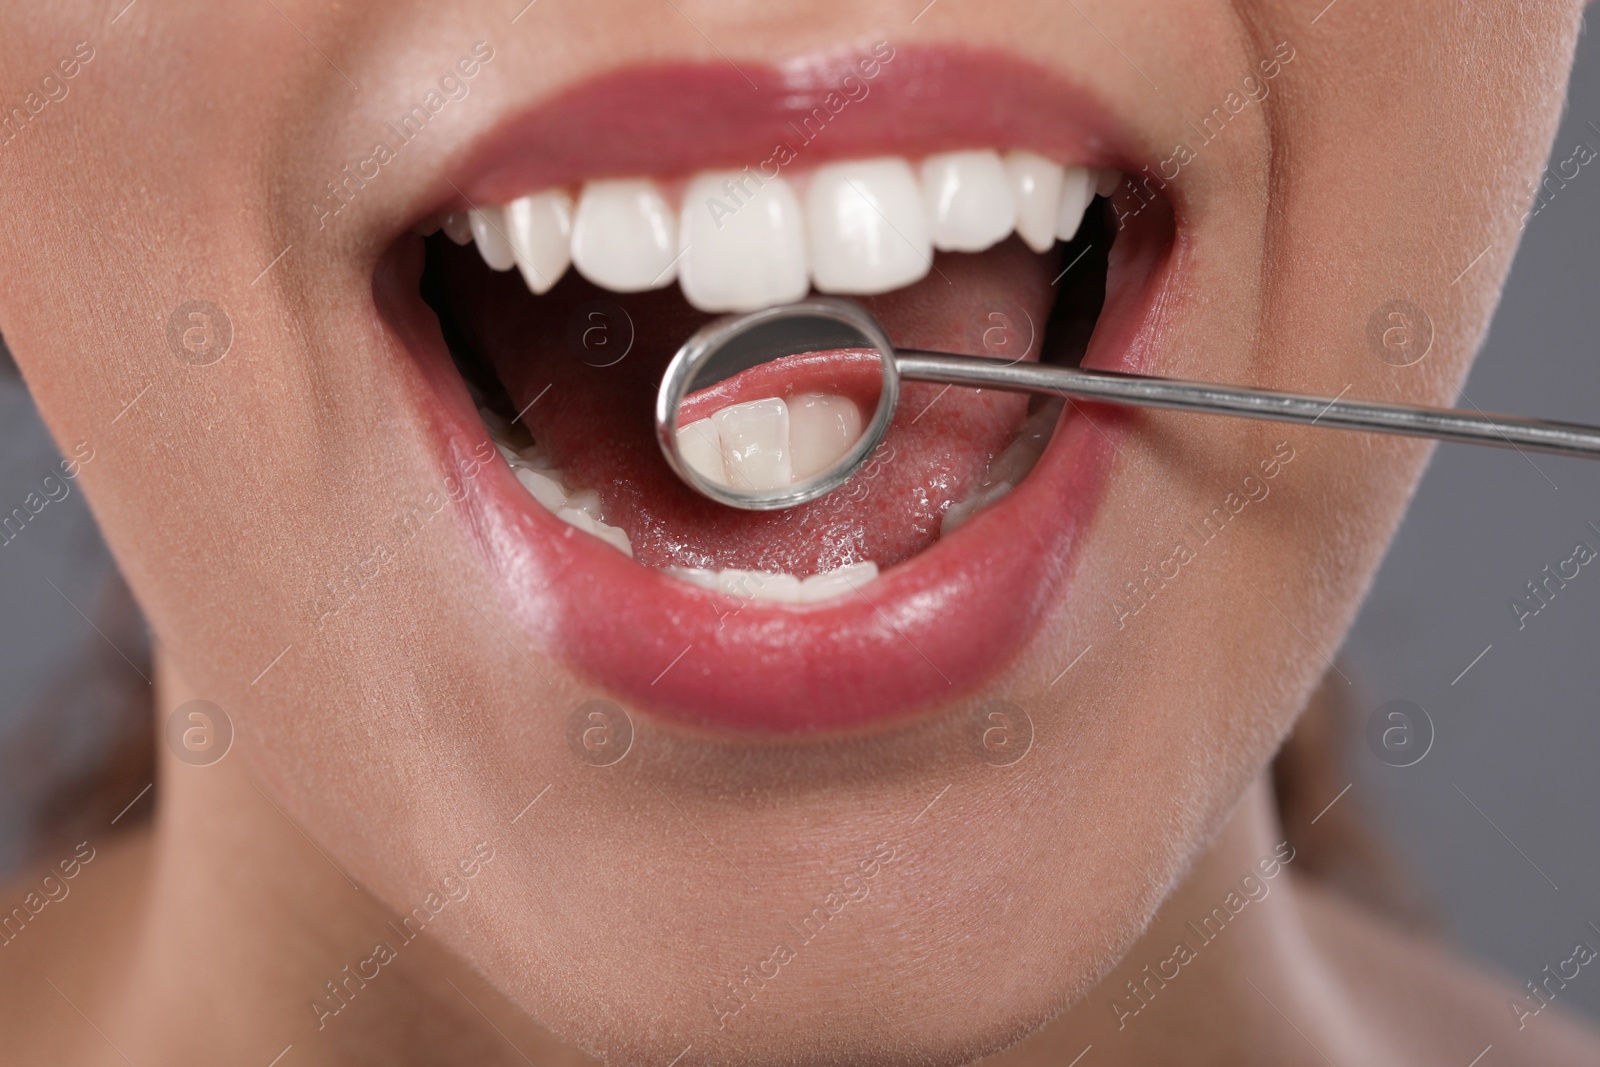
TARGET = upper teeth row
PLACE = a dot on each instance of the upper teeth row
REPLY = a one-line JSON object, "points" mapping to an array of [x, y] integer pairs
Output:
{"points": [[741, 241]]}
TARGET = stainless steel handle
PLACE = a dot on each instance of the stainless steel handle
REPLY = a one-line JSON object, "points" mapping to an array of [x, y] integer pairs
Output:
{"points": [[1445, 424]]}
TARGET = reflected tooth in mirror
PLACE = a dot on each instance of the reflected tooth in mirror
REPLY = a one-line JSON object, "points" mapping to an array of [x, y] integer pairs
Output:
{"points": [[866, 228], [456, 226], [545, 489], [624, 236], [755, 443], [821, 430], [489, 231], [540, 228], [743, 242], [970, 203], [847, 579], [1077, 189], [700, 446], [1036, 182]]}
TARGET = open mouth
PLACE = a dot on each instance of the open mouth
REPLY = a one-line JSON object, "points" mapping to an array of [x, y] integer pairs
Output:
{"points": [[561, 295]]}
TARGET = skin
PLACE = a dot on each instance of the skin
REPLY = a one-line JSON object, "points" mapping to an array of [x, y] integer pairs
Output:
{"points": [[1396, 147]]}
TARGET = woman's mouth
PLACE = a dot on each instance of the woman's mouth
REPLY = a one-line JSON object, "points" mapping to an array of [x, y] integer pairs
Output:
{"points": [[566, 273]]}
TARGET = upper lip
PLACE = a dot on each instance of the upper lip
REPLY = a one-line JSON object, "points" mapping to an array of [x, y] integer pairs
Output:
{"points": [[677, 118], [930, 630]]}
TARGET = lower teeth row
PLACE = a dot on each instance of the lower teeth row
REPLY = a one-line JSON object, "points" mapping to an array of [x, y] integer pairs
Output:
{"points": [[536, 474], [583, 509], [777, 586]]}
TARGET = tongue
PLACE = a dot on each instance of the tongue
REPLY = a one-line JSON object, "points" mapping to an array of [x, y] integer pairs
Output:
{"points": [[596, 422]]}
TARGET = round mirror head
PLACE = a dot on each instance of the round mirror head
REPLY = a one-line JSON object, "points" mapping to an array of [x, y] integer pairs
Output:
{"points": [[777, 407]]}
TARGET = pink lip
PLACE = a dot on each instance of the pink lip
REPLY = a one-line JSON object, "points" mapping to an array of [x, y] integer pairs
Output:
{"points": [[676, 119], [930, 630]]}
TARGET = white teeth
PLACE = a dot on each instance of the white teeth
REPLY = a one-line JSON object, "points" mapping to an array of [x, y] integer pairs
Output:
{"points": [[746, 242], [545, 489], [969, 199], [743, 242], [536, 458], [1077, 189], [624, 236], [1036, 181], [755, 443], [456, 227], [868, 231], [700, 446], [820, 587], [785, 588], [759, 585], [590, 525], [540, 228], [821, 430], [705, 579], [778, 586], [489, 231], [770, 443], [579, 507], [586, 501]]}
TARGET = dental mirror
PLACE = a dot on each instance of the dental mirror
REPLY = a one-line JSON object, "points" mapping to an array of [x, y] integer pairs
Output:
{"points": [[777, 407]]}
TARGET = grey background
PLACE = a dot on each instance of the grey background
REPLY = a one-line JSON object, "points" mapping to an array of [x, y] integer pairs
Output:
{"points": [[1518, 735]]}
